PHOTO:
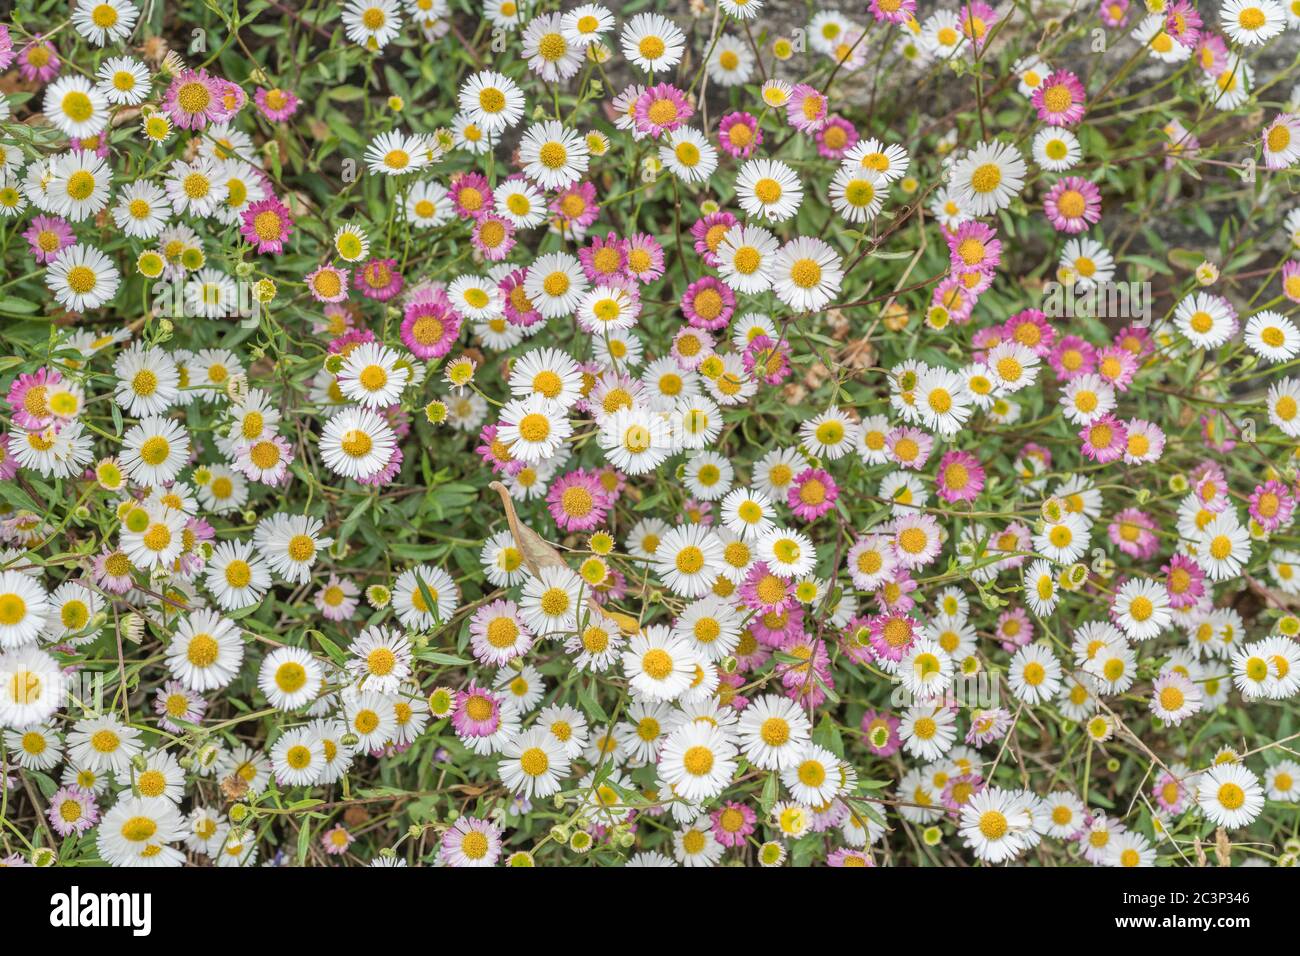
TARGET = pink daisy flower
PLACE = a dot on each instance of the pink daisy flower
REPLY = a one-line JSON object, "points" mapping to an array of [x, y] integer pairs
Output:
{"points": [[960, 477], [470, 194], [266, 225], [1113, 13], [575, 208], [336, 318], [1030, 328], [764, 591], [1183, 23], [708, 233], [1212, 53], [337, 598], [276, 104], [1277, 135], [1072, 205], [232, 96], [895, 595], [112, 571], [8, 463], [1104, 440], [812, 494], [6, 47], [1014, 629], [987, 726], [1290, 280], [195, 533], [645, 258], [1133, 532], [168, 701], [1072, 357], [836, 138], [38, 61], [974, 245], [47, 236], [613, 588], [1272, 505], [519, 309], [28, 398], [336, 840], [1184, 580], [386, 474], [328, 284], [807, 108], [739, 135], [196, 99], [892, 11], [1170, 793], [577, 501], [807, 682], [892, 635], [493, 236], [497, 633], [1182, 144], [1117, 366], [97, 144], [960, 788], [908, 447], [1135, 339], [855, 640], [952, 296], [494, 452], [604, 259], [695, 511], [977, 19], [732, 823], [455, 837], [612, 481], [275, 475], [612, 391], [690, 347], [72, 810], [1218, 431], [849, 857], [984, 339], [1145, 443], [345, 343], [477, 712], [1060, 99], [429, 329], [708, 303], [661, 109], [378, 279], [767, 360]]}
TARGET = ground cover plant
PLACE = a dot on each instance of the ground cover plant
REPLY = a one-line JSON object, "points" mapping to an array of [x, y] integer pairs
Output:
{"points": [[742, 433]]}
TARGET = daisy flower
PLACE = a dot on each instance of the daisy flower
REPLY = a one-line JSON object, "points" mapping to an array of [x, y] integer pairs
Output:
{"points": [[988, 177], [1229, 795]]}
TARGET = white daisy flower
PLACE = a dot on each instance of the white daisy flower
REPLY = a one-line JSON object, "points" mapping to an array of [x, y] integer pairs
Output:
{"points": [[552, 155], [652, 42], [290, 678], [373, 375], [988, 177], [290, 544], [768, 189], [76, 107], [82, 278], [413, 609]]}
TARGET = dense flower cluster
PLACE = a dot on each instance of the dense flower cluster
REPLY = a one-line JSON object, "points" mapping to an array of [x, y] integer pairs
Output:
{"points": [[539, 434]]}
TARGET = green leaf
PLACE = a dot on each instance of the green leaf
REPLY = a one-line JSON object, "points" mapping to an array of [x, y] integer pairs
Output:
{"points": [[768, 799]]}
